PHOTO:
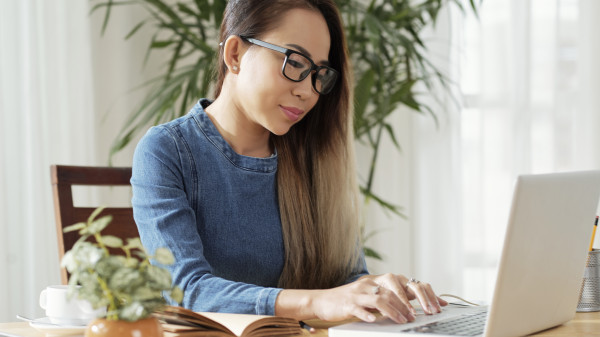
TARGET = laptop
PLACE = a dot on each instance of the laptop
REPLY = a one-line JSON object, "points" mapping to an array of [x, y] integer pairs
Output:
{"points": [[541, 267]]}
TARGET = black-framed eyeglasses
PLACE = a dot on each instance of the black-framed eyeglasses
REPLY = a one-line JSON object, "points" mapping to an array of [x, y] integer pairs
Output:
{"points": [[297, 66]]}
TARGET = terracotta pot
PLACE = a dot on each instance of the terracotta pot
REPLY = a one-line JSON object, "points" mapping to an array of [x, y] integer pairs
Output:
{"points": [[148, 327]]}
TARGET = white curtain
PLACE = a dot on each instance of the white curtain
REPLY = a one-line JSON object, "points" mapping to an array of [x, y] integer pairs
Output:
{"points": [[529, 79], [64, 92], [46, 116]]}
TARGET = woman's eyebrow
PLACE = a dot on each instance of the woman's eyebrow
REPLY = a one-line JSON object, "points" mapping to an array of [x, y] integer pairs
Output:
{"points": [[305, 52]]}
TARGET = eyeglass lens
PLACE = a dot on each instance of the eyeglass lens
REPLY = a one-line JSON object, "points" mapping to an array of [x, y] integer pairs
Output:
{"points": [[298, 67]]}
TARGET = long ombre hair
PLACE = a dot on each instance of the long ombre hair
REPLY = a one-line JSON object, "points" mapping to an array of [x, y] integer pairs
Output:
{"points": [[316, 179]]}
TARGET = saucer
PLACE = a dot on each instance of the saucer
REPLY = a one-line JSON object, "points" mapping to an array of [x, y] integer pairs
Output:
{"points": [[44, 325]]}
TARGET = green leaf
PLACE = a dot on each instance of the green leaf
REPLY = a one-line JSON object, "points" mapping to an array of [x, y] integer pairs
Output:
{"points": [[75, 227], [164, 256], [157, 44], [177, 295], [106, 15], [133, 312], [397, 210], [145, 293], [135, 29], [125, 279], [186, 9], [369, 252], [95, 213], [218, 8], [68, 262], [86, 255], [373, 31], [391, 133], [99, 225], [473, 7], [363, 92], [91, 291], [107, 266], [135, 243], [142, 255], [175, 58], [204, 11], [159, 278], [112, 241], [83, 237], [132, 263]]}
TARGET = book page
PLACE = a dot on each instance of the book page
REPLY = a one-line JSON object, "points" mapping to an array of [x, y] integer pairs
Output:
{"points": [[178, 321], [236, 323]]}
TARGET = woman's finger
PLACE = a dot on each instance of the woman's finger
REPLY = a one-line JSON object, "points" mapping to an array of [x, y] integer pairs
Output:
{"points": [[432, 298], [419, 290], [388, 304], [394, 283], [362, 314]]}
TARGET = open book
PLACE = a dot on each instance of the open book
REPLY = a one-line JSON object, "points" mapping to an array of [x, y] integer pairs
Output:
{"points": [[177, 321]]}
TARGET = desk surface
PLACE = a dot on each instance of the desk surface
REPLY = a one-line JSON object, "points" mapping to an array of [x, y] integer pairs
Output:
{"points": [[584, 324]]}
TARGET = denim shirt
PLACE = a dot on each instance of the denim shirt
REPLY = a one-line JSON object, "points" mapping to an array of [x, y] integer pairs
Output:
{"points": [[216, 210]]}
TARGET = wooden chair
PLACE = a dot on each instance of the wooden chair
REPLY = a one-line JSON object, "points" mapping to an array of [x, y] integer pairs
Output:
{"points": [[63, 178]]}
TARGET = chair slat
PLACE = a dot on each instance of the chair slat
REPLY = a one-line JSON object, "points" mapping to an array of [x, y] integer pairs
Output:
{"points": [[82, 175]]}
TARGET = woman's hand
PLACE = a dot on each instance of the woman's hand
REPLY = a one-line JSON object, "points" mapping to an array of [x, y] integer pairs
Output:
{"points": [[388, 294], [409, 289]]}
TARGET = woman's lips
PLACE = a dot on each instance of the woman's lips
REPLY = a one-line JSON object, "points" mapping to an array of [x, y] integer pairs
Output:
{"points": [[292, 113]]}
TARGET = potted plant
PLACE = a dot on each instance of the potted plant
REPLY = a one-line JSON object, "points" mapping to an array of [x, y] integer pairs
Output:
{"points": [[127, 285]]}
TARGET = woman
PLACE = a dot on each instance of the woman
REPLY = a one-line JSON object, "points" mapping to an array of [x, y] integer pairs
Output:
{"points": [[255, 192]]}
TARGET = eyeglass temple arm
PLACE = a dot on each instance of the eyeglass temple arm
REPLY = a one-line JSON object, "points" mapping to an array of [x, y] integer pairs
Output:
{"points": [[265, 44]]}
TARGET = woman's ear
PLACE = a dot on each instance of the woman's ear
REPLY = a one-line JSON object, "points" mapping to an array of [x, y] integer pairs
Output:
{"points": [[233, 50]]}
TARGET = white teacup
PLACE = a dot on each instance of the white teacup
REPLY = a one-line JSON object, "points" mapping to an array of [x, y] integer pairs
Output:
{"points": [[64, 311]]}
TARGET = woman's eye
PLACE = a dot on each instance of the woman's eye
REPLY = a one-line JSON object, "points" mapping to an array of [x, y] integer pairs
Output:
{"points": [[295, 64]]}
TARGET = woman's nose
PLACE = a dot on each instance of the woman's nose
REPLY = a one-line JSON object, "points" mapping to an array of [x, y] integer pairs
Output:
{"points": [[304, 88]]}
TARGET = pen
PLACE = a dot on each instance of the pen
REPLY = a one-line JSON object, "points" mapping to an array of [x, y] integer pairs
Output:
{"points": [[594, 234], [307, 327]]}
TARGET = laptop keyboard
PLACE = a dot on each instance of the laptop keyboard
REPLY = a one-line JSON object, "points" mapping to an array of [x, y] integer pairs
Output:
{"points": [[468, 325]]}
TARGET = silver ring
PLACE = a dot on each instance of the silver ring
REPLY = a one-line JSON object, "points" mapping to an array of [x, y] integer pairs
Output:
{"points": [[375, 289], [412, 280]]}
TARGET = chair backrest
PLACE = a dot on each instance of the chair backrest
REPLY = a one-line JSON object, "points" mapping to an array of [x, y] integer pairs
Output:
{"points": [[63, 178]]}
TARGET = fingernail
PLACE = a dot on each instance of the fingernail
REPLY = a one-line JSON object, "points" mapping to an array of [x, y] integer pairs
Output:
{"points": [[402, 319], [411, 317], [371, 318]]}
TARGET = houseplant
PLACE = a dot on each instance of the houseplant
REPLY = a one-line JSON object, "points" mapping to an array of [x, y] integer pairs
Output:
{"points": [[390, 62], [127, 285]]}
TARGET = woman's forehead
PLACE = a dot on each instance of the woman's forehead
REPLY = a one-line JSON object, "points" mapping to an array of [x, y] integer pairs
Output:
{"points": [[304, 30]]}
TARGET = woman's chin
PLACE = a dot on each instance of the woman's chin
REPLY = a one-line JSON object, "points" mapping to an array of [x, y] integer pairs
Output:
{"points": [[280, 130]]}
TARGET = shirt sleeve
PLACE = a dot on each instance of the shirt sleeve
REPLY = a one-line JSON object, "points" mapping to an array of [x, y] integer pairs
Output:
{"points": [[360, 268], [165, 218]]}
